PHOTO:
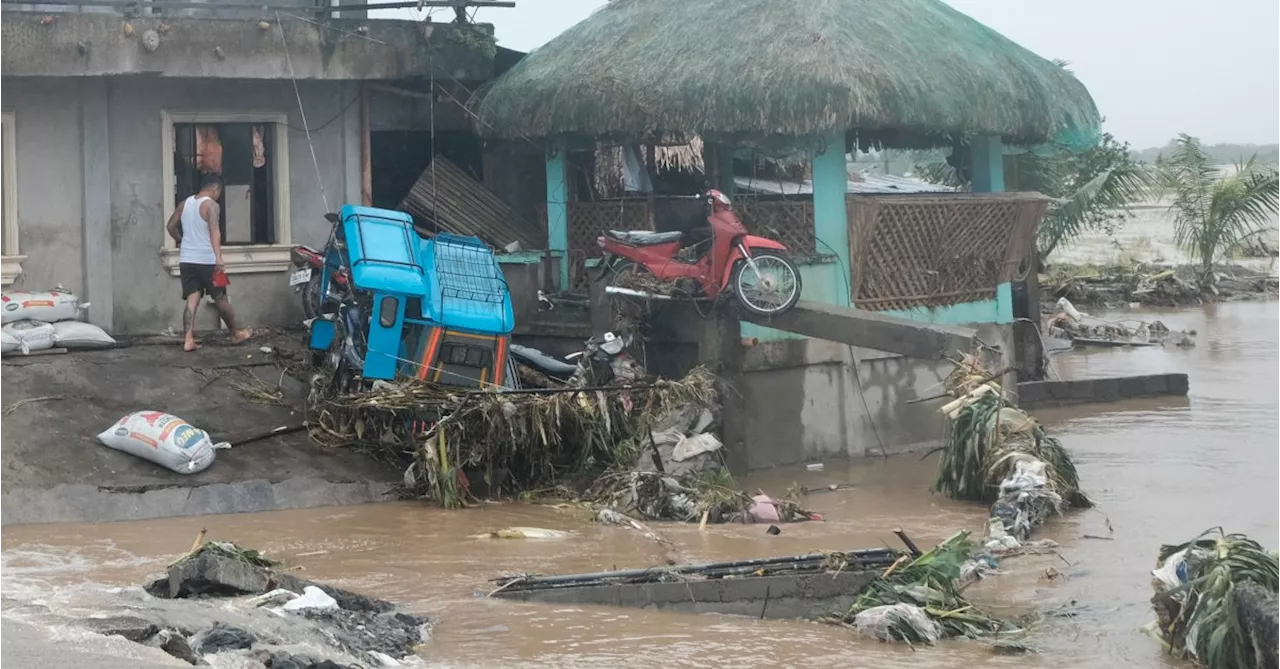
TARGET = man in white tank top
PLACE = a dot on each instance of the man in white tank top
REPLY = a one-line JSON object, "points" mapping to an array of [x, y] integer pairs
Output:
{"points": [[194, 227]]}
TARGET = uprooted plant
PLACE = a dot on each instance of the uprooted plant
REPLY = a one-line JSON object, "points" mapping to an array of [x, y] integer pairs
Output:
{"points": [[922, 600], [994, 452], [1198, 585]]}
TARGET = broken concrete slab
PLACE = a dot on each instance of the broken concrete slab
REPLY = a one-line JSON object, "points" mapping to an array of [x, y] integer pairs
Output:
{"points": [[868, 329], [216, 576]]}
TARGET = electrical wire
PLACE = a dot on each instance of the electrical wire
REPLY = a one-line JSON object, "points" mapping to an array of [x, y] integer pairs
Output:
{"points": [[303, 113]]}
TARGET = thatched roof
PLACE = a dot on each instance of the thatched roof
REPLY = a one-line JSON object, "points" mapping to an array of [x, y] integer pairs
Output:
{"points": [[901, 73]]}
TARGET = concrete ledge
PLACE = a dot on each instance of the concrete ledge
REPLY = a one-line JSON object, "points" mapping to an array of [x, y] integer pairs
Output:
{"points": [[1087, 391], [97, 44], [89, 503], [779, 597], [869, 329]]}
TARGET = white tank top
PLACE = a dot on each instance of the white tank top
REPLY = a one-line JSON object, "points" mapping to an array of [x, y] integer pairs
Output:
{"points": [[196, 247]]}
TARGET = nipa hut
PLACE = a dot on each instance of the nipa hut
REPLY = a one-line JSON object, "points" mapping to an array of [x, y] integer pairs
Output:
{"points": [[821, 77]]}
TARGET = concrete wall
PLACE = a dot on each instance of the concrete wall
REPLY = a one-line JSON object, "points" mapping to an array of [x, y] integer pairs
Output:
{"points": [[52, 210], [98, 44], [808, 400], [50, 179]]}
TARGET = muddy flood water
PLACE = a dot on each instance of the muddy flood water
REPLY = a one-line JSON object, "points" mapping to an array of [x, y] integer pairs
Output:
{"points": [[1160, 471]]}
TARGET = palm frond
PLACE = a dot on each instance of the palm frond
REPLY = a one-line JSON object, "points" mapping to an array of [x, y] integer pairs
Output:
{"points": [[1213, 213]]}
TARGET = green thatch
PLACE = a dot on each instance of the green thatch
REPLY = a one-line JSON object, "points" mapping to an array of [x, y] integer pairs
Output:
{"points": [[903, 74]]}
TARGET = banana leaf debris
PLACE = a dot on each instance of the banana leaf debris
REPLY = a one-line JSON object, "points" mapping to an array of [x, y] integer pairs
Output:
{"points": [[1152, 284], [1216, 601], [993, 452], [920, 599]]}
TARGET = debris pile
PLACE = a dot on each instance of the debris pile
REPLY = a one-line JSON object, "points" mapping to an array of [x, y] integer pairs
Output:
{"points": [[452, 442], [360, 627], [920, 600], [1151, 285], [1215, 601], [1081, 329], [995, 453]]}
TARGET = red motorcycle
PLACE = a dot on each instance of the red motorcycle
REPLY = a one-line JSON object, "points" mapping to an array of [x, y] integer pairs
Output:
{"points": [[755, 269]]}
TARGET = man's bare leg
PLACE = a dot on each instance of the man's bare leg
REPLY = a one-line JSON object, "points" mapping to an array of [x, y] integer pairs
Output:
{"points": [[189, 322], [238, 335]]}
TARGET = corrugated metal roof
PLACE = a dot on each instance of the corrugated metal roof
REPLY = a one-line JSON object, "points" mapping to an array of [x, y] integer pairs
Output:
{"points": [[870, 184]]}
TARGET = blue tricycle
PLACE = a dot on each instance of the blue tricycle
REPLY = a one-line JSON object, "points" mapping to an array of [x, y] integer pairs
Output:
{"points": [[435, 309]]}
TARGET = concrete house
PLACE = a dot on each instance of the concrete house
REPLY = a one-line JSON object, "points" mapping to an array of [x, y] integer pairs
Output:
{"points": [[111, 110]]}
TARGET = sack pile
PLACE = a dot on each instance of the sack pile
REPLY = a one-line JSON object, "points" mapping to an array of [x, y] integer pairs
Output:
{"points": [[38, 321]]}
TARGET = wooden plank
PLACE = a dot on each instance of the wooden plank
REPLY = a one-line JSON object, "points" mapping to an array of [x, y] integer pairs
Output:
{"points": [[459, 204]]}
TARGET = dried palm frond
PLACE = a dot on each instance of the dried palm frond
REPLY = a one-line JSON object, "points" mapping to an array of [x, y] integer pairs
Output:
{"points": [[515, 442]]}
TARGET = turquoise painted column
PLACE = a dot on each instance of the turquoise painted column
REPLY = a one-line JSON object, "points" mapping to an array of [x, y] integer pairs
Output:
{"points": [[986, 158], [830, 216], [558, 210]]}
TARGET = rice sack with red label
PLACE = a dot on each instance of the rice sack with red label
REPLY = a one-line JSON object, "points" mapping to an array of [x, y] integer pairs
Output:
{"points": [[49, 306], [164, 439]]}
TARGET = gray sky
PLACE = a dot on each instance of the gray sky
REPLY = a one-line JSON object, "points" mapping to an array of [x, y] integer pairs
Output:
{"points": [[1210, 68]]}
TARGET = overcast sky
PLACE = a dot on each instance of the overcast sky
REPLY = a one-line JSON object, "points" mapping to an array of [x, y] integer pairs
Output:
{"points": [[1210, 68]]}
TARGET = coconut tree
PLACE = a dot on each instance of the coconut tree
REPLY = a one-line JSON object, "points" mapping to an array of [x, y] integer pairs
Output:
{"points": [[1215, 210]]}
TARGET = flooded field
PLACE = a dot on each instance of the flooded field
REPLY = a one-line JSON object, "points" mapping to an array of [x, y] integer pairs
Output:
{"points": [[1160, 471]]}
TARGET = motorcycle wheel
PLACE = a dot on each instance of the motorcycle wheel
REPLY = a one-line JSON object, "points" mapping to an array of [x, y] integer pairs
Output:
{"points": [[311, 296], [774, 291]]}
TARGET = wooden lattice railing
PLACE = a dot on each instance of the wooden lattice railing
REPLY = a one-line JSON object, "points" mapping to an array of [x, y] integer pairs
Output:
{"points": [[909, 251]]}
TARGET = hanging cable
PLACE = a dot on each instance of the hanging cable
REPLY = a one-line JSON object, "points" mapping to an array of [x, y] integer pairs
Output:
{"points": [[302, 112]]}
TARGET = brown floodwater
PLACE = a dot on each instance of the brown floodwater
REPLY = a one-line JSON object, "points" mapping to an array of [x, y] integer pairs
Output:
{"points": [[1160, 471]]}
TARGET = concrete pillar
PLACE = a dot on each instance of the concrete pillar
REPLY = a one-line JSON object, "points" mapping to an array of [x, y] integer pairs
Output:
{"points": [[96, 224], [558, 209], [986, 158], [830, 216], [352, 145]]}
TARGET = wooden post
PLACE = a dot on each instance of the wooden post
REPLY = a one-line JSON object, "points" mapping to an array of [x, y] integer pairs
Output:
{"points": [[366, 150]]}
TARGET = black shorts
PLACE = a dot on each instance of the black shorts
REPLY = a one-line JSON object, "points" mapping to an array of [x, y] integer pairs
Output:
{"points": [[199, 279]]}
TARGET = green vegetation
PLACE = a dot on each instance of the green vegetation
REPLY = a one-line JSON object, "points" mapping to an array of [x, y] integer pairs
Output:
{"points": [[1215, 212], [1092, 190], [1201, 616]]}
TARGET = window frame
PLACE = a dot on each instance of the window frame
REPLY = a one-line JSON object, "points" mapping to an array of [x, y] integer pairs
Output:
{"points": [[239, 258], [11, 254]]}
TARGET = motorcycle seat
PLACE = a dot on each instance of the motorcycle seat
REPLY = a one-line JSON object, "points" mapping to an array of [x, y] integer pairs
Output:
{"points": [[645, 238]]}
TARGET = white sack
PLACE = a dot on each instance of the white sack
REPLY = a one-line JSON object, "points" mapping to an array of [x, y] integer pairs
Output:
{"points": [[49, 306], [75, 334], [163, 439], [8, 343], [31, 335]]}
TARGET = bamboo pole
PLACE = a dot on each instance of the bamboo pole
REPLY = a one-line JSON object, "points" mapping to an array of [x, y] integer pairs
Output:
{"points": [[366, 150]]}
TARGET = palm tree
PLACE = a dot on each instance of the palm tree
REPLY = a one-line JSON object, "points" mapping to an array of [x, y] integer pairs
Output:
{"points": [[1214, 212]]}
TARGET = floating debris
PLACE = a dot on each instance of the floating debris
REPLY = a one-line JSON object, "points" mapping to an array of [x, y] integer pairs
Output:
{"points": [[922, 601], [996, 453], [1215, 601]]}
